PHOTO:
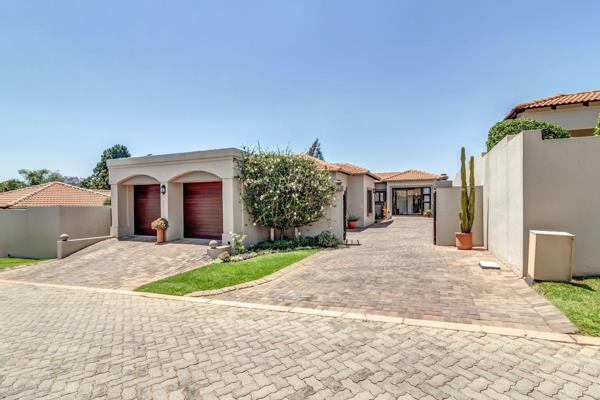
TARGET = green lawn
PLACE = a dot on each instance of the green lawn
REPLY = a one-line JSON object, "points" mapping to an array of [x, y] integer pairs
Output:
{"points": [[217, 276], [7, 262], [579, 300]]}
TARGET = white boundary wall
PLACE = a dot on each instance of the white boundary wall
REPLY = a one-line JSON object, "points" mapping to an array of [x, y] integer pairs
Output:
{"points": [[446, 216], [33, 232], [535, 184]]}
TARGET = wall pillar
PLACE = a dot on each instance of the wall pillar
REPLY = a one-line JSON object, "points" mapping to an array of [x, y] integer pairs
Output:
{"points": [[122, 210], [171, 209]]}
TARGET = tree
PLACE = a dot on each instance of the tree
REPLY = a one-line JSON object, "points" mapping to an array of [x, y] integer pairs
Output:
{"points": [[73, 180], [283, 191], [99, 178], [315, 150], [39, 176], [11, 184], [514, 126]]}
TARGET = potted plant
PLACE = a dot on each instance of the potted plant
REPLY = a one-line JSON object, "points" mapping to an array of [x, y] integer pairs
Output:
{"points": [[352, 222], [464, 238], [160, 225], [428, 213]]}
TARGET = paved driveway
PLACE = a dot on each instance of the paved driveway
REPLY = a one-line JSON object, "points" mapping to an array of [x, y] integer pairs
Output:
{"points": [[79, 344], [398, 271], [115, 264]]}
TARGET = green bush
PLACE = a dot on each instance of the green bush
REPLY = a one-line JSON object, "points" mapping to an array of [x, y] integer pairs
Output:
{"points": [[514, 126], [107, 202], [597, 129], [326, 239]]}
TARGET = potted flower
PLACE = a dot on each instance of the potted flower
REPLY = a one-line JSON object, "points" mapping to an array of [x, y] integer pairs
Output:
{"points": [[160, 225], [352, 222], [428, 213], [464, 238]]}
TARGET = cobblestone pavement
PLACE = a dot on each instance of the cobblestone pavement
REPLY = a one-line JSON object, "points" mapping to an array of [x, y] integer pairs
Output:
{"points": [[398, 271], [115, 264], [80, 344]]}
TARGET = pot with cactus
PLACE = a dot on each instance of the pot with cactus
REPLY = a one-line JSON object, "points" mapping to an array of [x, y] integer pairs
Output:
{"points": [[464, 238], [160, 225]]}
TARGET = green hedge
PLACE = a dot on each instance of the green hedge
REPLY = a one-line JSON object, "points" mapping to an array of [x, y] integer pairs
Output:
{"points": [[514, 126]]}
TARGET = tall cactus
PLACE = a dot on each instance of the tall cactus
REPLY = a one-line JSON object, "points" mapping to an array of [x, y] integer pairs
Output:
{"points": [[467, 198]]}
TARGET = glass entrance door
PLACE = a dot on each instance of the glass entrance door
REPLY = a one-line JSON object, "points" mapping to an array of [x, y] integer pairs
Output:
{"points": [[411, 201]]}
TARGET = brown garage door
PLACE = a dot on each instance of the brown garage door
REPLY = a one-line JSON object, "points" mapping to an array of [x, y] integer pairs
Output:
{"points": [[203, 210], [146, 208]]}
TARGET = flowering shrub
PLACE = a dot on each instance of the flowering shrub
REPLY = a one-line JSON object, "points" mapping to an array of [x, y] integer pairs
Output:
{"points": [[160, 223], [283, 191], [237, 243]]}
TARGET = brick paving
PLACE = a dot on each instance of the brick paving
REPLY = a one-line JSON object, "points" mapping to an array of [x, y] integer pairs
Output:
{"points": [[397, 271], [115, 264], [81, 344]]}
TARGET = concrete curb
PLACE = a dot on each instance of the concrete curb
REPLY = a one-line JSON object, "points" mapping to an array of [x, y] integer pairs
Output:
{"points": [[483, 329]]}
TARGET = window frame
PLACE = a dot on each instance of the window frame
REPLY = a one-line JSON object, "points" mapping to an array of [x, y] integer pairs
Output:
{"points": [[370, 201]]}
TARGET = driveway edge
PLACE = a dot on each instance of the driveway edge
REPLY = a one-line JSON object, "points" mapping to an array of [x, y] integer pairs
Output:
{"points": [[483, 329]]}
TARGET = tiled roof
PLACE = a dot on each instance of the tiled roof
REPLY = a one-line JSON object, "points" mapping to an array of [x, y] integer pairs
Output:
{"points": [[556, 100], [408, 175], [345, 168], [51, 194]]}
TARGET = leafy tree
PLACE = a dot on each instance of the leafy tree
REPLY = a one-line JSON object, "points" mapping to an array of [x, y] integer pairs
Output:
{"points": [[514, 126], [73, 180], [99, 179], [597, 129], [11, 184], [315, 150], [283, 191], [39, 176]]}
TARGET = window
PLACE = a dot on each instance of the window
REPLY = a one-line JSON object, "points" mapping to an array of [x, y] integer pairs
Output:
{"points": [[379, 196], [369, 201]]}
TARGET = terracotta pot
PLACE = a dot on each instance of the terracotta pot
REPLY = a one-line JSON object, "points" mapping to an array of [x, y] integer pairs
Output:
{"points": [[464, 241], [160, 236], [352, 224]]}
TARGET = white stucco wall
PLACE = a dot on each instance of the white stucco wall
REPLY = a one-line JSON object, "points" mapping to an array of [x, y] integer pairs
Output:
{"points": [[446, 216], [33, 232], [503, 201], [356, 199], [535, 184], [562, 193], [569, 117]]}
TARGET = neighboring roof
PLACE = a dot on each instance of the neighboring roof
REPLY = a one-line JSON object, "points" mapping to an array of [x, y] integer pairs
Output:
{"points": [[51, 194], [346, 168], [556, 100], [408, 175]]}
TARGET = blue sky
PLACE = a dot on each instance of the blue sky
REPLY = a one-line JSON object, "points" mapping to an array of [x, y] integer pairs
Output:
{"points": [[388, 85]]}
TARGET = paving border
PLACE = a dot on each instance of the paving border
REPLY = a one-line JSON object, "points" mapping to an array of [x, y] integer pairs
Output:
{"points": [[483, 329]]}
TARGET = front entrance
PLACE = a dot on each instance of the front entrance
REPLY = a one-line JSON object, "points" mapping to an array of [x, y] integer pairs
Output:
{"points": [[203, 210], [146, 208], [411, 201]]}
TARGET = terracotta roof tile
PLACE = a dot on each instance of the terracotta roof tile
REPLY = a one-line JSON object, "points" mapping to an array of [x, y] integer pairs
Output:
{"points": [[51, 194], [556, 100], [408, 175], [346, 168]]}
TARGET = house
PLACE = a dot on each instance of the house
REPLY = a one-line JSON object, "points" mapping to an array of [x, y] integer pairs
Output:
{"points": [[410, 192], [200, 196], [576, 112], [33, 218]]}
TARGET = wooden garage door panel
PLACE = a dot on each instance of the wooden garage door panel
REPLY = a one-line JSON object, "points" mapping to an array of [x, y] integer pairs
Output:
{"points": [[146, 208], [203, 210]]}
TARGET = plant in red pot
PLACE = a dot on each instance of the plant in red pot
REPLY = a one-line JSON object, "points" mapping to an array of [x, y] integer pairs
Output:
{"points": [[160, 225], [352, 222], [464, 238]]}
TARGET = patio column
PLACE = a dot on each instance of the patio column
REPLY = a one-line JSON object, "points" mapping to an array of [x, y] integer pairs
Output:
{"points": [[171, 209]]}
